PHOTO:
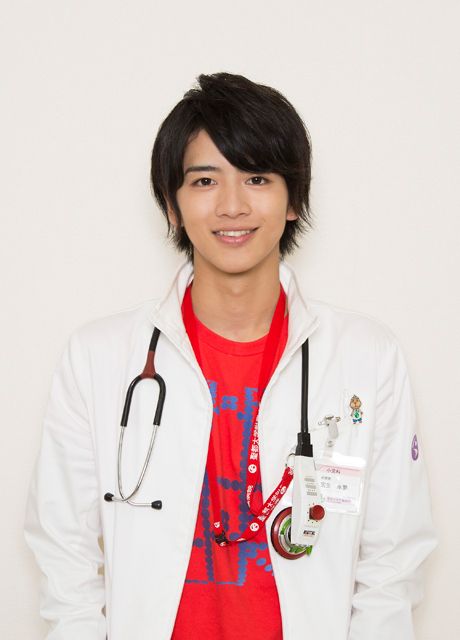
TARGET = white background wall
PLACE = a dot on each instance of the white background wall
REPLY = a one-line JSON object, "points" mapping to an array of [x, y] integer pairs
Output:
{"points": [[85, 86]]}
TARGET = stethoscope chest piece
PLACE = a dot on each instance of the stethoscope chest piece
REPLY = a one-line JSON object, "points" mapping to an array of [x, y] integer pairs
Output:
{"points": [[281, 537]]}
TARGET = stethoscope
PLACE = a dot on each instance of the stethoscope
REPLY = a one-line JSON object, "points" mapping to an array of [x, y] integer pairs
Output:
{"points": [[147, 373], [280, 530]]}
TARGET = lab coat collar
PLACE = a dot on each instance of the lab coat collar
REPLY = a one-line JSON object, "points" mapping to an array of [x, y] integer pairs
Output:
{"points": [[166, 314]]}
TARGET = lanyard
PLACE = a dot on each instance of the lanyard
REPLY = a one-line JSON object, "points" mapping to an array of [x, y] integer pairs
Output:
{"points": [[253, 466]]}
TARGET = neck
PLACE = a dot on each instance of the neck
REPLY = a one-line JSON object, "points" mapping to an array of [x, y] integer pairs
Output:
{"points": [[237, 306]]}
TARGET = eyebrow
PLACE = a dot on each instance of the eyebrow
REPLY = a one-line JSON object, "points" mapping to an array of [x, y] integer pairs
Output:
{"points": [[203, 167]]}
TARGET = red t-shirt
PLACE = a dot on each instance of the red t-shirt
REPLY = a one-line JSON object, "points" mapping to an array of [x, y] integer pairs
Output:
{"points": [[230, 592]]}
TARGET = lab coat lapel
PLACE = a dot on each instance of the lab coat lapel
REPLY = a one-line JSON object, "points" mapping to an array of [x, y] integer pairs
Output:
{"points": [[167, 313]]}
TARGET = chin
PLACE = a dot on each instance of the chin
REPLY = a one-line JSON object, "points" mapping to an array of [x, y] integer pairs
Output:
{"points": [[237, 260], [237, 264]]}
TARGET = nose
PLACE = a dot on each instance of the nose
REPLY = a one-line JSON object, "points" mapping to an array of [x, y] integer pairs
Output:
{"points": [[232, 201]]}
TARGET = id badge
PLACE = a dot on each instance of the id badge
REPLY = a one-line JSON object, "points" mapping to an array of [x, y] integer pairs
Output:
{"points": [[340, 481]]}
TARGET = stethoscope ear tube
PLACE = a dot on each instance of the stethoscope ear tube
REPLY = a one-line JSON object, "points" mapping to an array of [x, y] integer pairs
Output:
{"points": [[127, 405], [129, 395], [161, 399]]}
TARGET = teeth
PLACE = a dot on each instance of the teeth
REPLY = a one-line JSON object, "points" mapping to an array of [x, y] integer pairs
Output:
{"points": [[235, 234]]}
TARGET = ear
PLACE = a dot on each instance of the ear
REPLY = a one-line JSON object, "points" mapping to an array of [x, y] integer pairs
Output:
{"points": [[172, 217], [291, 214]]}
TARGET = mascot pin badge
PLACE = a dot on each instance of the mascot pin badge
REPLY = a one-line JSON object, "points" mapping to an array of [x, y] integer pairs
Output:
{"points": [[356, 413]]}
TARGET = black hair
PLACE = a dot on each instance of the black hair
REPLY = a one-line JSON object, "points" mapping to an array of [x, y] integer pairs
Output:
{"points": [[254, 127]]}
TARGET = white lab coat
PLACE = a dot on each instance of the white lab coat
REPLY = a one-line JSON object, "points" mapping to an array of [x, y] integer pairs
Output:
{"points": [[363, 577]]}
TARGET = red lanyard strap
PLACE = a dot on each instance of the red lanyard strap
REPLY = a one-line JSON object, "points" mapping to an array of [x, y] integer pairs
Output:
{"points": [[253, 466]]}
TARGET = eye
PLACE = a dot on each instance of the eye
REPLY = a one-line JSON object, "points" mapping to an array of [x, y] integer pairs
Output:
{"points": [[205, 182], [259, 180]]}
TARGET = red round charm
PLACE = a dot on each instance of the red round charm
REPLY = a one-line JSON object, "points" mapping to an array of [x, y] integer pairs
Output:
{"points": [[317, 512]]}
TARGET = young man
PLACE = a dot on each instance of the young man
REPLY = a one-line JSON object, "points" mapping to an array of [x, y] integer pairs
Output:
{"points": [[284, 494]]}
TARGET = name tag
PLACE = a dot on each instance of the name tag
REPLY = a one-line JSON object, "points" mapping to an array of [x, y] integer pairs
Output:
{"points": [[340, 481]]}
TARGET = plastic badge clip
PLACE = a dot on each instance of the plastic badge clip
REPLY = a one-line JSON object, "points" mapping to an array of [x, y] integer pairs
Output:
{"points": [[333, 431]]}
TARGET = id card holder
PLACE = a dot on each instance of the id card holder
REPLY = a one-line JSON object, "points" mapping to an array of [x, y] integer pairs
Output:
{"points": [[340, 481]]}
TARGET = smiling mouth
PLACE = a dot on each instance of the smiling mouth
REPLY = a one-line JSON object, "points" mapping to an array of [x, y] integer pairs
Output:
{"points": [[234, 234]]}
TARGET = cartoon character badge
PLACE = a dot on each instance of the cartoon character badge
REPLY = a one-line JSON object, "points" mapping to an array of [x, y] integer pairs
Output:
{"points": [[356, 413]]}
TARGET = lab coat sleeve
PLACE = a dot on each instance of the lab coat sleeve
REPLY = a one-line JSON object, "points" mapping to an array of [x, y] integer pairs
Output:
{"points": [[62, 519], [397, 532]]}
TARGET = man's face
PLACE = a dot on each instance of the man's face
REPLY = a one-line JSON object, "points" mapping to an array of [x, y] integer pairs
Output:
{"points": [[216, 196]]}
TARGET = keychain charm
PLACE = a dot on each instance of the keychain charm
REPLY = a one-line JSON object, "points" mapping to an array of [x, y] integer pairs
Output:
{"points": [[281, 533], [281, 537], [356, 413]]}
